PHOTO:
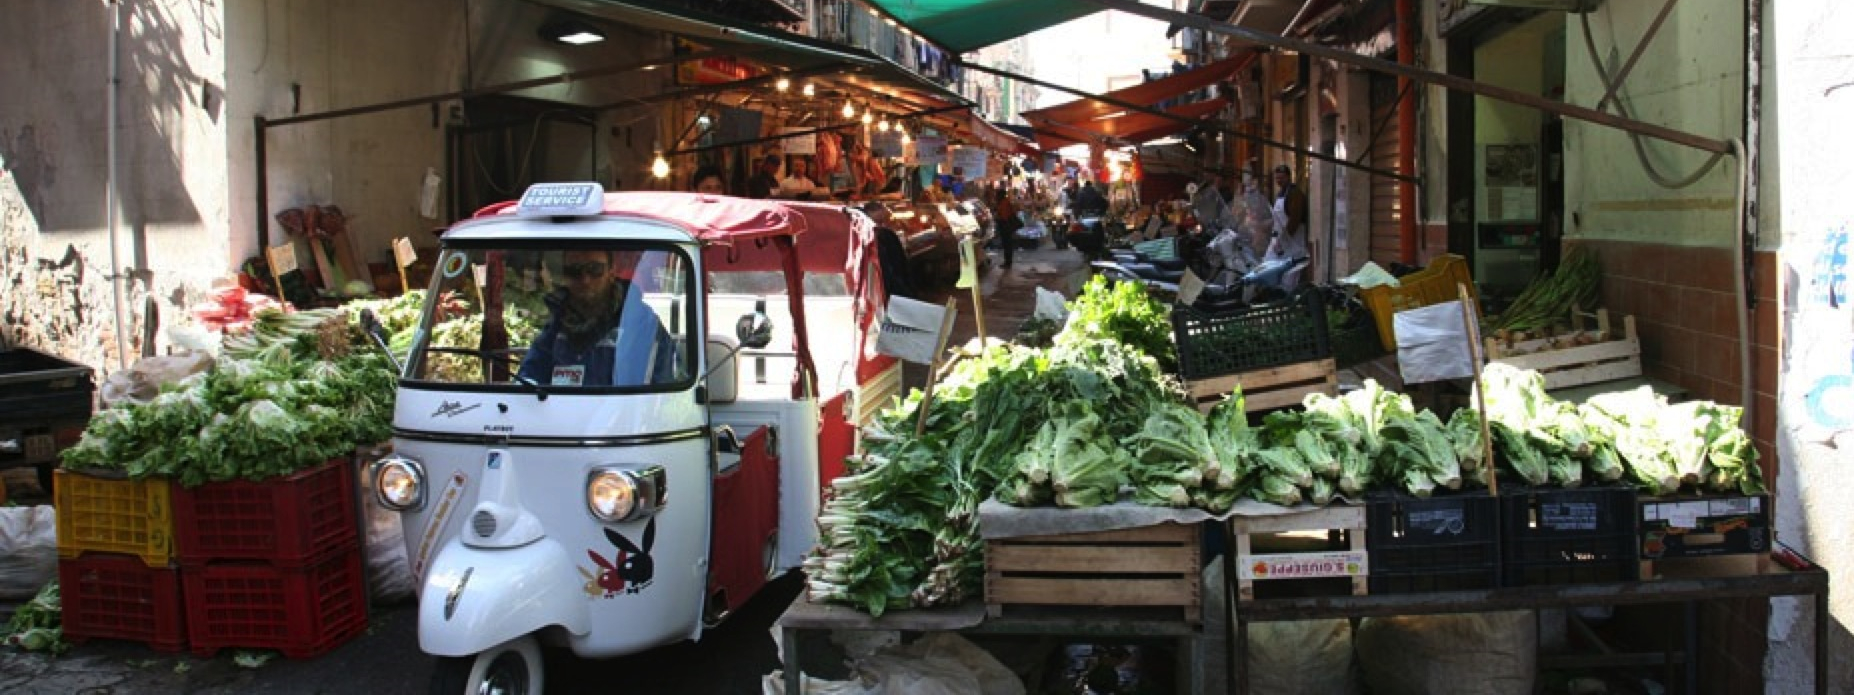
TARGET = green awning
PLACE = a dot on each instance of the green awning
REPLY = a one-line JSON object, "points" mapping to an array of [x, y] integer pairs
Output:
{"points": [[762, 43], [968, 25]]}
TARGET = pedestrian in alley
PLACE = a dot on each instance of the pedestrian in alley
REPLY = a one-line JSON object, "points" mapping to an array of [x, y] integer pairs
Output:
{"points": [[1004, 212], [1290, 228]]}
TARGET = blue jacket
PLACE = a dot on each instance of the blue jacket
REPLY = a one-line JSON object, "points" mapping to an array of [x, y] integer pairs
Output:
{"points": [[636, 352]]}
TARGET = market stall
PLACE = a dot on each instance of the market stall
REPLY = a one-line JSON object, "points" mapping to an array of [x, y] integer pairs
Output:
{"points": [[1052, 466]]}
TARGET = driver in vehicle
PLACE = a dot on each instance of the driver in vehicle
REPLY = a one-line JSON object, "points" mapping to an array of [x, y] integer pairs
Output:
{"points": [[601, 333]]}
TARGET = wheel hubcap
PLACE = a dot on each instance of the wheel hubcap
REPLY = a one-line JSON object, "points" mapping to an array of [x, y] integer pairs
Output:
{"points": [[507, 675]]}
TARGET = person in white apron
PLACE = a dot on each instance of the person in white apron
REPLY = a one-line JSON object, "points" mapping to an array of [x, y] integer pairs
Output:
{"points": [[1290, 216]]}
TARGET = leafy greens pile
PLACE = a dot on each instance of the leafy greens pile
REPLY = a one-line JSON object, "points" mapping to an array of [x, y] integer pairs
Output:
{"points": [[245, 419], [1121, 311]]}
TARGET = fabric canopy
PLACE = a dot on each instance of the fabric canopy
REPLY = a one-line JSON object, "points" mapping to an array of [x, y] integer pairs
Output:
{"points": [[962, 26], [760, 43], [1144, 94], [1130, 126]]}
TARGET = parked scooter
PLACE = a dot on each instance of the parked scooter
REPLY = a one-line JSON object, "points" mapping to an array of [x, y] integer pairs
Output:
{"points": [[1234, 277]]}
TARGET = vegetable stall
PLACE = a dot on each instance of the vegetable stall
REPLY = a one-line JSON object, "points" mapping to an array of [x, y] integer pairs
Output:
{"points": [[1601, 499]]}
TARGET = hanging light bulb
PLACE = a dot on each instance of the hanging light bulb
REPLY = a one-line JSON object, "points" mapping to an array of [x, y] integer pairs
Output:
{"points": [[868, 117], [783, 84], [904, 135], [849, 109], [659, 167], [882, 125], [810, 90]]}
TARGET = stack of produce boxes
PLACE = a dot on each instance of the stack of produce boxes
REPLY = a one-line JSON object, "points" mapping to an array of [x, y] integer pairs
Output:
{"points": [[1448, 542], [1568, 536], [115, 546], [273, 564]]}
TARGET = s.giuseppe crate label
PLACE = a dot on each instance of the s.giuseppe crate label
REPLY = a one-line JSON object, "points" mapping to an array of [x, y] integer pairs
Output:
{"points": [[1304, 565]]}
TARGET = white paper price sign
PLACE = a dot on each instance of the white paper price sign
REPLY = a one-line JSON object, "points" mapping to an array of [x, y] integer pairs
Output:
{"points": [[403, 253], [282, 258]]}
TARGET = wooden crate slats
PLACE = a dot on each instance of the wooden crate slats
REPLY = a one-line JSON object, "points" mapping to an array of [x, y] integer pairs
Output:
{"points": [[1096, 592], [1267, 389], [1082, 558], [1151, 566], [1614, 357]]}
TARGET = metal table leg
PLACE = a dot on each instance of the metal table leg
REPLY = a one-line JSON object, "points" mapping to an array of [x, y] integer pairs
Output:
{"points": [[794, 674], [1821, 642], [1691, 647]]}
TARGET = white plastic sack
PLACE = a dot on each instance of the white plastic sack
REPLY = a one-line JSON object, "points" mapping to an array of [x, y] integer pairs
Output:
{"points": [[28, 550], [1050, 305], [1432, 344], [1371, 275], [1310, 656], [143, 381], [941, 663], [1448, 654]]}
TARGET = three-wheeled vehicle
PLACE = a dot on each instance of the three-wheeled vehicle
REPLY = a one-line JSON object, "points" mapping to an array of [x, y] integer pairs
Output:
{"points": [[593, 451]]}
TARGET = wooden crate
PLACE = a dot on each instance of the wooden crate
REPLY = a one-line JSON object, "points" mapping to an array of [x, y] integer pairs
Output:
{"points": [[1152, 566], [1563, 363], [1704, 535], [1266, 389], [1253, 564]]}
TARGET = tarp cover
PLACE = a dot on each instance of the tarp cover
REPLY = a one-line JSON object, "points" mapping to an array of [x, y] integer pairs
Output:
{"points": [[962, 26], [1143, 94]]}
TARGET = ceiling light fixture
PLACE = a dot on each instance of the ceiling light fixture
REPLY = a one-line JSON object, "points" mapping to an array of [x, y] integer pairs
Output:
{"points": [[810, 90], [572, 32], [883, 124], [660, 167], [783, 84], [868, 117], [849, 109]]}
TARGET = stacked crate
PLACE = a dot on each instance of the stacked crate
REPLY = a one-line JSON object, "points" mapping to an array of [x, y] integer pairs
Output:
{"points": [[115, 547], [1695, 532], [1568, 536], [275, 564], [1440, 543]]}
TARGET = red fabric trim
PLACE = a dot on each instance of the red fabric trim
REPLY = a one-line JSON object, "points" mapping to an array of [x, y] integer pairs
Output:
{"points": [[1145, 94]]}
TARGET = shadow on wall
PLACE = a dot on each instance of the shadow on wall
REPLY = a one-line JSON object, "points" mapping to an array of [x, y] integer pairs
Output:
{"points": [[55, 146]]}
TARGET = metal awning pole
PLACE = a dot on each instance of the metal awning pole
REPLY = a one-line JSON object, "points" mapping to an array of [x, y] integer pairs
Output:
{"points": [[1182, 119], [1455, 82]]}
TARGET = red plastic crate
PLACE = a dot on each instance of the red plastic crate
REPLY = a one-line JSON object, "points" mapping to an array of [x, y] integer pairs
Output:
{"points": [[109, 596], [302, 612], [287, 521]]}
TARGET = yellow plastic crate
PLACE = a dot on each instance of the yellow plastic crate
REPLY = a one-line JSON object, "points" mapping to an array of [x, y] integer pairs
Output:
{"points": [[1432, 285], [107, 515]]}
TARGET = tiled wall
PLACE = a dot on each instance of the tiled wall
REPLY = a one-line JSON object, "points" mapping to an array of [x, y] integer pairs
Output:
{"points": [[1682, 300], [1684, 308]]}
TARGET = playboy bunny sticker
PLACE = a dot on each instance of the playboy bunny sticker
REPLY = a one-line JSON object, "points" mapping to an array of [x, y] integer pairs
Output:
{"points": [[630, 570]]}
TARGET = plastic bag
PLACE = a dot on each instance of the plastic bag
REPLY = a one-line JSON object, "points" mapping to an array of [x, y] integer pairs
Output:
{"points": [[1309, 656], [941, 663], [1371, 275], [1445, 654], [1432, 344], [28, 550], [143, 381], [1050, 305]]}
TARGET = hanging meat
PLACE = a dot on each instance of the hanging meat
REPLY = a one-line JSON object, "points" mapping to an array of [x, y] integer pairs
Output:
{"points": [[830, 156]]}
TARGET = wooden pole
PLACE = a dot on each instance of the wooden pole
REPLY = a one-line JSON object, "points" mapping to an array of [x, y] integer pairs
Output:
{"points": [[933, 370], [978, 297], [1468, 313]]}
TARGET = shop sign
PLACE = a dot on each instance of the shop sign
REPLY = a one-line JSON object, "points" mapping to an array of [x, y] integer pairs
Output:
{"points": [[799, 144], [930, 149], [1304, 565], [713, 69], [885, 143], [970, 161]]}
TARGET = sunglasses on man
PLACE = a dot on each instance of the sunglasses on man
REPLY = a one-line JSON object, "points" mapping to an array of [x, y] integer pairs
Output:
{"points": [[588, 269]]}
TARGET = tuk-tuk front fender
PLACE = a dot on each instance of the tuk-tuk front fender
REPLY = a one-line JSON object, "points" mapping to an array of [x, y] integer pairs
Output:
{"points": [[474, 599]]}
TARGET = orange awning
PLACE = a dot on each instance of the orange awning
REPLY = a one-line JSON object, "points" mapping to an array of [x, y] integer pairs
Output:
{"points": [[1144, 94], [1129, 126]]}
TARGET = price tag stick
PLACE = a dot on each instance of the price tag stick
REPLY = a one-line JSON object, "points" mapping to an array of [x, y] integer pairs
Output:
{"points": [[933, 370], [978, 297], [404, 255], [1473, 331], [282, 261]]}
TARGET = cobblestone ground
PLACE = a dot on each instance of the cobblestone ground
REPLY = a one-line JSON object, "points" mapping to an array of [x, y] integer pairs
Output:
{"points": [[386, 659]]}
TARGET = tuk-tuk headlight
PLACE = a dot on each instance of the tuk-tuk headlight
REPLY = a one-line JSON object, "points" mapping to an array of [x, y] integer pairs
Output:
{"points": [[399, 483], [625, 494]]}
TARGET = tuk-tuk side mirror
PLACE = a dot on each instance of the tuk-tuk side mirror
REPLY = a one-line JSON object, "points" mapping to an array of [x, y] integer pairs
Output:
{"points": [[754, 330]]}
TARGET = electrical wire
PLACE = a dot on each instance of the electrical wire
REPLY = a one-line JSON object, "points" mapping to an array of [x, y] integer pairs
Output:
{"points": [[1641, 149]]}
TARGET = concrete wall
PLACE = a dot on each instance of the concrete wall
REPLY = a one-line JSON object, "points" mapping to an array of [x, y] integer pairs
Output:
{"points": [[1808, 48], [348, 53], [54, 246]]}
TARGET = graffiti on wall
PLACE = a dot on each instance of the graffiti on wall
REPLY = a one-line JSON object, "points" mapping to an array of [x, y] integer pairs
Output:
{"points": [[1821, 360]]}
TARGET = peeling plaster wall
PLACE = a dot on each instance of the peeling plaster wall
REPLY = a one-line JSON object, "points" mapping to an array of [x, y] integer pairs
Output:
{"points": [[1815, 418], [312, 57], [1690, 78], [54, 243]]}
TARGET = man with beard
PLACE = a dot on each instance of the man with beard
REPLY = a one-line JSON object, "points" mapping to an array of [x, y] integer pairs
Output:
{"points": [[601, 332]]}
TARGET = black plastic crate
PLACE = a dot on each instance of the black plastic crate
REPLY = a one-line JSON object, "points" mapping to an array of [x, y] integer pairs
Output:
{"points": [[36, 387], [1357, 344], [1703, 525], [1568, 536], [1256, 337], [1443, 543]]}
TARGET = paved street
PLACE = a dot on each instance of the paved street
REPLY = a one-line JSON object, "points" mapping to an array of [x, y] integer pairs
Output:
{"points": [[386, 659]]}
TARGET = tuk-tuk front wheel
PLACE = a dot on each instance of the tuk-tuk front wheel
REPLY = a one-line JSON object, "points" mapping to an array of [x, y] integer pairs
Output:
{"points": [[510, 668]]}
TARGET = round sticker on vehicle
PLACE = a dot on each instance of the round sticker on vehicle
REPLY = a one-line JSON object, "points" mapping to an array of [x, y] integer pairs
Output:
{"points": [[454, 263]]}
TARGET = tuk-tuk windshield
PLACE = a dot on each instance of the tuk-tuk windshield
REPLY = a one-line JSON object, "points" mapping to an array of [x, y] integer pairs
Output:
{"points": [[585, 317]]}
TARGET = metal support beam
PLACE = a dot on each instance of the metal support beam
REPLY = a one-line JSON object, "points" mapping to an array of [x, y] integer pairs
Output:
{"points": [[506, 87], [1654, 27], [1140, 108], [813, 131], [1419, 74]]}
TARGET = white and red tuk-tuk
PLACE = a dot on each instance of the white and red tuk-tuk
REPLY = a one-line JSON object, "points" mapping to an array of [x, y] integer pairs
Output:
{"points": [[611, 482]]}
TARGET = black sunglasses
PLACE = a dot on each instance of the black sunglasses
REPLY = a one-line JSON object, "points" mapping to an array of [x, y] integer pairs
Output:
{"points": [[588, 269]]}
